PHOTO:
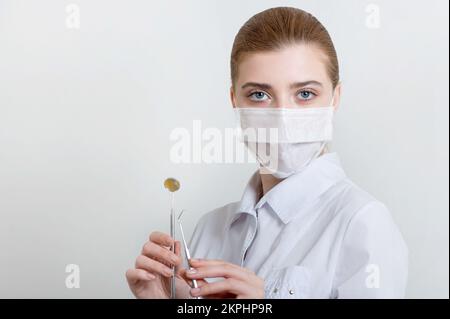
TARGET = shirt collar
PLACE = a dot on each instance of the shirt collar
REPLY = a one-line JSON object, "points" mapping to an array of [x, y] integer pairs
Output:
{"points": [[289, 197]]}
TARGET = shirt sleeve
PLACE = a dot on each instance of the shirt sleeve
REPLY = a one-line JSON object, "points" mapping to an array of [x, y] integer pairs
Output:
{"points": [[373, 260]]}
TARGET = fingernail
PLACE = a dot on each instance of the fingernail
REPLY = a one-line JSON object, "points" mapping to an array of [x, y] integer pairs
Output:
{"points": [[192, 271], [150, 276], [195, 291], [168, 272], [194, 260]]}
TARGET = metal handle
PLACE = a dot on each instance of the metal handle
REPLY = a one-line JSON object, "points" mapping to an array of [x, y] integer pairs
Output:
{"points": [[172, 234]]}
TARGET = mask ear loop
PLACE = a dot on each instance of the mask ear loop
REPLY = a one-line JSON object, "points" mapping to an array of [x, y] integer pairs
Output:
{"points": [[332, 101], [325, 144]]}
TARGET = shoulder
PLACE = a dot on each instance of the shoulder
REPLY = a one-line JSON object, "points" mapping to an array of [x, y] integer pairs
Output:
{"points": [[351, 202], [367, 211], [372, 246], [365, 220], [374, 227]]}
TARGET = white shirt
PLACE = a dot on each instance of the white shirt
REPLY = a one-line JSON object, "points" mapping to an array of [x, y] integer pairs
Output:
{"points": [[314, 235]]}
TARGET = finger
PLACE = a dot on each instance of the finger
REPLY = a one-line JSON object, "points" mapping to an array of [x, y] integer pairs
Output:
{"points": [[161, 239], [202, 261], [178, 248], [225, 270], [200, 282], [233, 286], [195, 262], [135, 275], [180, 272], [152, 266], [155, 251]]}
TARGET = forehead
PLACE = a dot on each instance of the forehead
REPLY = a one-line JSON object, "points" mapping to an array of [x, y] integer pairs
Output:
{"points": [[294, 63]]}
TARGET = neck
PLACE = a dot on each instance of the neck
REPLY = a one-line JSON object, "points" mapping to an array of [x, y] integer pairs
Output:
{"points": [[268, 181]]}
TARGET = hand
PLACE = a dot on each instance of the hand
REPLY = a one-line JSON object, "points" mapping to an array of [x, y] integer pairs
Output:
{"points": [[239, 282], [152, 273]]}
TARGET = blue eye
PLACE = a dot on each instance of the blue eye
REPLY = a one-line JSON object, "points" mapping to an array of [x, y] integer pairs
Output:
{"points": [[306, 95], [258, 96]]}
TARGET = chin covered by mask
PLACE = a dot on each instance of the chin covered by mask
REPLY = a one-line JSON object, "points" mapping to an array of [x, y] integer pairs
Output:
{"points": [[285, 140]]}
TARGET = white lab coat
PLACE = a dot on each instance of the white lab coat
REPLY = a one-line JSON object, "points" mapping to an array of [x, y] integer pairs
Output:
{"points": [[314, 235]]}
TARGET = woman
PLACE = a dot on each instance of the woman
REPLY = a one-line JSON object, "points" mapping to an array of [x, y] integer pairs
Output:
{"points": [[302, 229]]}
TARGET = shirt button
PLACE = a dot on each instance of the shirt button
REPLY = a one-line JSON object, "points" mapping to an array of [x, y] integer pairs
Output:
{"points": [[275, 290], [291, 292]]}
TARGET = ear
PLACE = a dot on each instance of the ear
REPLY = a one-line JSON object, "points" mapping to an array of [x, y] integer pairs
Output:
{"points": [[337, 96], [232, 97]]}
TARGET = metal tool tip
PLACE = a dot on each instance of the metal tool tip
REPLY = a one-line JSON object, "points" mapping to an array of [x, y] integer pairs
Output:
{"points": [[179, 216]]}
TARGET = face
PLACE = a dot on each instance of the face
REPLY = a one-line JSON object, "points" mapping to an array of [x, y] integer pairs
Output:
{"points": [[293, 77]]}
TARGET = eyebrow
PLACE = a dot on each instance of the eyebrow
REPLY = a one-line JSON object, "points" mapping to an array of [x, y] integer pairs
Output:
{"points": [[265, 86]]}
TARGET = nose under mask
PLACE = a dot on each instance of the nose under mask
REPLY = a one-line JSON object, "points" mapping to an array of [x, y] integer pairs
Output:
{"points": [[285, 140]]}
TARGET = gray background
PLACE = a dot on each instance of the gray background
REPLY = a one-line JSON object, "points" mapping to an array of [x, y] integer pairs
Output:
{"points": [[85, 118]]}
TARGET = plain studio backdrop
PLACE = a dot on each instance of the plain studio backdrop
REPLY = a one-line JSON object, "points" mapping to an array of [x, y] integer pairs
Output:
{"points": [[91, 90]]}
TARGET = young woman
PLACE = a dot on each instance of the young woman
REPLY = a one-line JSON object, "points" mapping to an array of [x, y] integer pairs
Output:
{"points": [[302, 229]]}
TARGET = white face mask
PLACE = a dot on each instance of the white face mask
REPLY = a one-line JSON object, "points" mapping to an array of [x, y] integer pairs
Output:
{"points": [[285, 140]]}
